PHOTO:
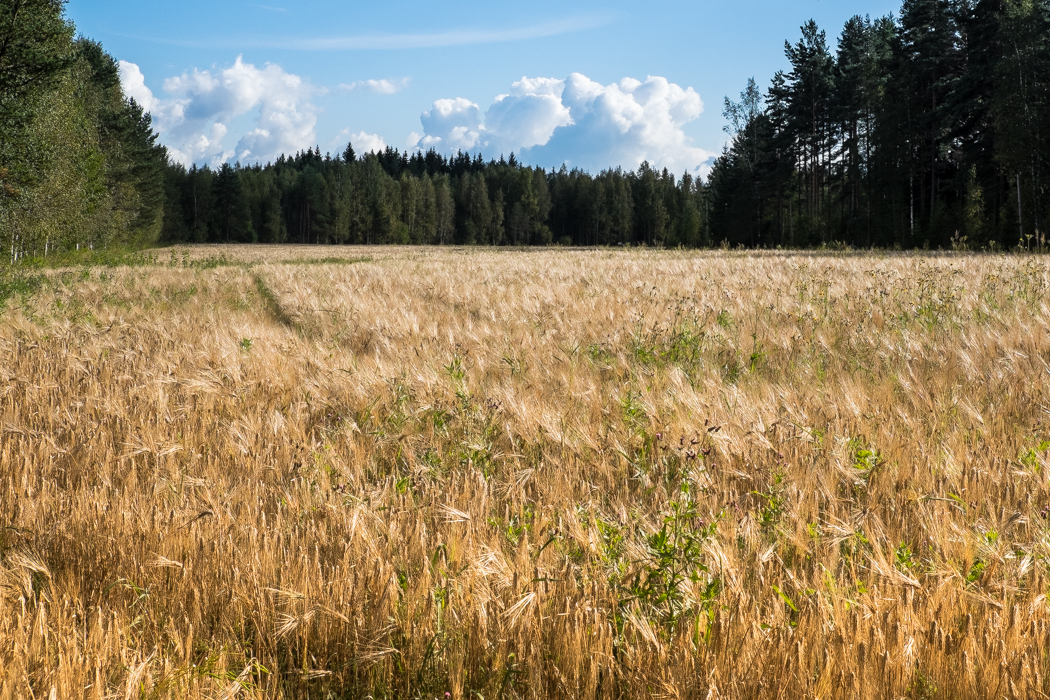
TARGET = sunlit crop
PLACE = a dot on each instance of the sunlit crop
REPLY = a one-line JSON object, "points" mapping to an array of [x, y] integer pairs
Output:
{"points": [[406, 473]]}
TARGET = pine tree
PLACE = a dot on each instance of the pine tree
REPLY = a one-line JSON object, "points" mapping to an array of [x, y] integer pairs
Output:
{"points": [[810, 90], [930, 67], [1021, 108], [747, 124], [231, 207]]}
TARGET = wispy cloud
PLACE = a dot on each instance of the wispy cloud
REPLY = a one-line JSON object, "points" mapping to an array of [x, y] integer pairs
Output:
{"points": [[387, 42], [456, 37], [380, 87]]}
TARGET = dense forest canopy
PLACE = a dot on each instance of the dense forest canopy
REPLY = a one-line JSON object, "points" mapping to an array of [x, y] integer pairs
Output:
{"points": [[930, 130], [394, 197], [79, 163], [927, 130]]}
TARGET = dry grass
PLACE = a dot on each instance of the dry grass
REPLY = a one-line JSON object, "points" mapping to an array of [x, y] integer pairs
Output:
{"points": [[536, 474]]}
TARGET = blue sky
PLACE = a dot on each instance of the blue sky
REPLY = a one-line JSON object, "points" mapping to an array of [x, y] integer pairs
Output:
{"points": [[590, 84]]}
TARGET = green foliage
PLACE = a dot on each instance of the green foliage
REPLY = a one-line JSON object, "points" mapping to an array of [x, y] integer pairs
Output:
{"points": [[865, 459], [904, 558], [923, 687], [600, 355], [36, 51], [390, 197], [772, 502], [862, 145], [79, 164], [18, 283], [516, 525], [975, 571], [675, 558], [634, 414], [1030, 457], [455, 369]]}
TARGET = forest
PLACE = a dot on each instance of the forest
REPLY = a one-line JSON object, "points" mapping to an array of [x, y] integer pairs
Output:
{"points": [[80, 165], [927, 130], [425, 198]]}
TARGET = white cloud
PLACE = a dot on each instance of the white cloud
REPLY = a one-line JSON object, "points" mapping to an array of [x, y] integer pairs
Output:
{"points": [[193, 120], [134, 84], [367, 143], [576, 121], [362, 142], [380, 87], [527, 116], [546, 121], [451, 125]]}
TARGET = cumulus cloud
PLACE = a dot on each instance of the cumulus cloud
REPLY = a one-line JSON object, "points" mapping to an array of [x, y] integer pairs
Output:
{"points": [[193, 120], [134, 83], [379, 87], [575, 121], [528, 116], [546, 121], [367, 143], [451, 125], [362, 141]]}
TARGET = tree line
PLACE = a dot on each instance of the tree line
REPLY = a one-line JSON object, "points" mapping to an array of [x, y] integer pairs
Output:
{"points": [[79, 163], [927, 130], [426, 198]]}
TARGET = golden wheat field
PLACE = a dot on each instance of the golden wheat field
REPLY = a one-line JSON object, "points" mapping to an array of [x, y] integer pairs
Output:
{"points": [[421, 473]]}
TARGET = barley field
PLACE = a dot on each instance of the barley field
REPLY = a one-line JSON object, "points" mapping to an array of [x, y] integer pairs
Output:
{"points": [[419, 473]]}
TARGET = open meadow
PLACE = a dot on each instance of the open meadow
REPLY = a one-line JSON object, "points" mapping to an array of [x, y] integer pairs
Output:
{"points": [[312, 472]]}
